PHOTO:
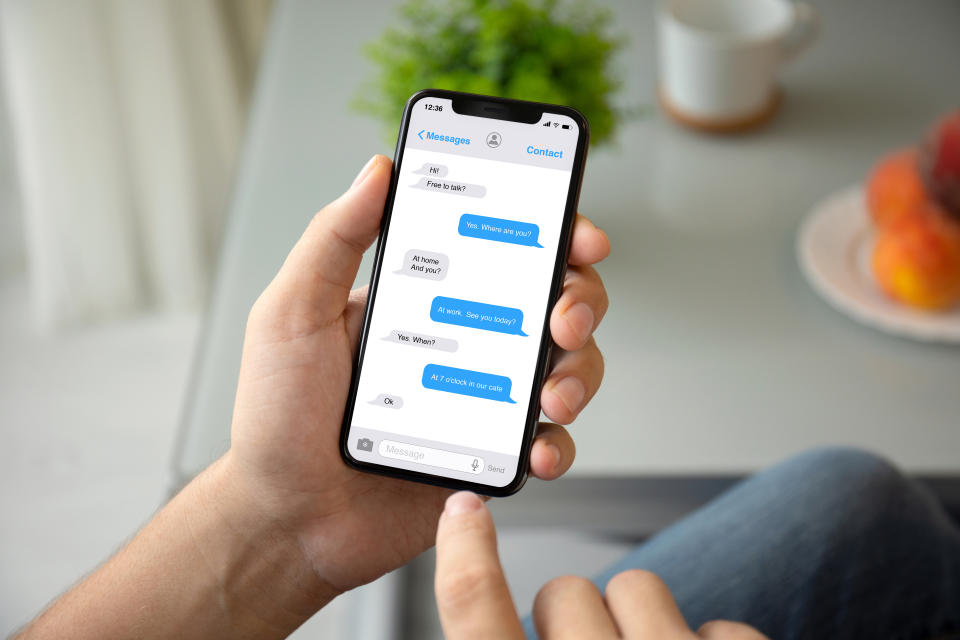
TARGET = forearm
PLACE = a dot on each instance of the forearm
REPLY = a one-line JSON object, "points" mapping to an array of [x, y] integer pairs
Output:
{"points": [[208, 565]]}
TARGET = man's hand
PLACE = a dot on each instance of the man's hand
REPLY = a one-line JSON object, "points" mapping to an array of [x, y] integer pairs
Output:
{"points": [[474, 601], [298, 353], [280, 525]]}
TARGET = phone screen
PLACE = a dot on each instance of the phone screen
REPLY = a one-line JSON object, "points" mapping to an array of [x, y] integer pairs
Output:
{"points": [[448, 369]]}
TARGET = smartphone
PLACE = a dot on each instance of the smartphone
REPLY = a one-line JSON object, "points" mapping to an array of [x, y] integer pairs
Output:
{"points": [[469, 263]]}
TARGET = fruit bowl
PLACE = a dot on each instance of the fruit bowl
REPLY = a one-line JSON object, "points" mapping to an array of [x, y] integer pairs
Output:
{"points": [[834, 248]]}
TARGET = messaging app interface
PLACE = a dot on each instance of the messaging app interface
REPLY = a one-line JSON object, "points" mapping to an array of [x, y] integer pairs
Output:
{"points": [[450, 358]]}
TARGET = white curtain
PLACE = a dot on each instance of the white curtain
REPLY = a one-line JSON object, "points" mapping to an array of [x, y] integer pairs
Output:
{"points": [[126, 118]]}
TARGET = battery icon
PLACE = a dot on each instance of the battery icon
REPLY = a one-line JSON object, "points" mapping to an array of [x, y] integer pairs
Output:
{"points": [[565, 126]]}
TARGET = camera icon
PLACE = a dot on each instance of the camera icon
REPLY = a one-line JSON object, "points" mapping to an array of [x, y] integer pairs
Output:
{"points": [[365, 444]]}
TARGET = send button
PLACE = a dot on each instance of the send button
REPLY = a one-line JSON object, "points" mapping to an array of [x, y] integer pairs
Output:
{"points": [[550, 153]]}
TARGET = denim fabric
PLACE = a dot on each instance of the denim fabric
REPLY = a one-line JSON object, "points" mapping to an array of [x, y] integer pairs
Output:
{"points": [[834, 543]]}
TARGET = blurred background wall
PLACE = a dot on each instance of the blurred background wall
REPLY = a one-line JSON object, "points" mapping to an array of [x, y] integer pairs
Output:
{"points": [[11, 227], [127, 118]]}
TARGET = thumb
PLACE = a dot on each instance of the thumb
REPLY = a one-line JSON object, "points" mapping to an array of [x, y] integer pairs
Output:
{"points": [[472, 594], [318, 273]]}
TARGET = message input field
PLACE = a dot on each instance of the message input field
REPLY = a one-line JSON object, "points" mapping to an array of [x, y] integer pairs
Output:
{"points": [[430, 457]]}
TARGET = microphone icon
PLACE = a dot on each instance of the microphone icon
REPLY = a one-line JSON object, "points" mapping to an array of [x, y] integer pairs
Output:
{"points": [[476, 463]]}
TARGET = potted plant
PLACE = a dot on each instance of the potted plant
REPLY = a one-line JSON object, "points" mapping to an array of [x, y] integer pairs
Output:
{"points": [[541, 50]]}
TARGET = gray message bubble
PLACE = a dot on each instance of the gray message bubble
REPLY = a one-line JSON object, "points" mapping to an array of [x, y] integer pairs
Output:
{"points": [[425, 264], [430, 169], [420, 340], [388, 401], [446, 186]]}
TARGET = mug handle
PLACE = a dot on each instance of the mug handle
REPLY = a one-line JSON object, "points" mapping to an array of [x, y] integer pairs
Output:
{"points": [[806, 27]]}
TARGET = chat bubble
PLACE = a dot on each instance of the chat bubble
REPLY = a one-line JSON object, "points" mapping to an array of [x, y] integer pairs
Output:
{"points": [[424, 264], [420, 340], [445, 186], [387, 401], [430, 169], [477, 315], [467, 383], [500, 230]]}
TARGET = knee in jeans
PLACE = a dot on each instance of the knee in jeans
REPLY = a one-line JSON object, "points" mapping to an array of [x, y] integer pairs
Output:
{"points": [[848, 462], [857, 477]]}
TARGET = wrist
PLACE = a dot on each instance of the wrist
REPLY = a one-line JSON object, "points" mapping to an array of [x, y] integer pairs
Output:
{"points": [[263, 577]]}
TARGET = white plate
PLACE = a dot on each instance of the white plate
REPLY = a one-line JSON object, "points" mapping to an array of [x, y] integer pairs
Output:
{"points": [[834, 248]]}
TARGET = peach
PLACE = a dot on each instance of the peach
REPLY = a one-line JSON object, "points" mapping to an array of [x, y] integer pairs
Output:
{"points": [[895, 187], [916, 259]]}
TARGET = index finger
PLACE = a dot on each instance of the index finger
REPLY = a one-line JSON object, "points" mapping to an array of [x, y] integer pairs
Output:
{"points": [[472, 594], [589, 244]]}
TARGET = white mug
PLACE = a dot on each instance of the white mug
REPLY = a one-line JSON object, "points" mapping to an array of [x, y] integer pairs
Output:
{"points": [[718, 59]]}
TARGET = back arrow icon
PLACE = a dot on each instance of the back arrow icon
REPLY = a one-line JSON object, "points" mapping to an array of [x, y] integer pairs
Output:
{"points": [[421, 133]]}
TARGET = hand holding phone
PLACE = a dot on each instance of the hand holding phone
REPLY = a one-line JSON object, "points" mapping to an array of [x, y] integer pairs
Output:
{"points": [[279, 513], [300, 342], [471, 259]]}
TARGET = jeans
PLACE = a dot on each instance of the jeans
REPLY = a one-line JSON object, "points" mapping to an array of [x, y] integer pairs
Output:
{"points": [[834, 543]]}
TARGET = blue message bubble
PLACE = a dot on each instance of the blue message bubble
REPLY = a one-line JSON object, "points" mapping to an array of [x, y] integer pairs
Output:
{"points": [[500, 230], [477, 315], [467, 383]]}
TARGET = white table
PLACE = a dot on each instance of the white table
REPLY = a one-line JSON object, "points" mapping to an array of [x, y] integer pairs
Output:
{"points": [[720, 358]]}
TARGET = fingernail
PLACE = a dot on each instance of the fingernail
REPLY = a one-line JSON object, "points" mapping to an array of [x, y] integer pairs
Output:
{"points": [[462, 502], [555, 454], [367, 168], [580, 319], [571, 392]]}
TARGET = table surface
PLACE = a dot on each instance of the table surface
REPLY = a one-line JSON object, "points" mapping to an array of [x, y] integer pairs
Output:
{"points": [[720, 358]]}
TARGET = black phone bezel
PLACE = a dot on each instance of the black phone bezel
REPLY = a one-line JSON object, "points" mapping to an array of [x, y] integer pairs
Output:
{"points": [[500, 109]]}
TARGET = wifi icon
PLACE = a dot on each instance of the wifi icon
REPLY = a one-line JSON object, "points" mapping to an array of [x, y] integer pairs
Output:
{"points": [[556, 124]]}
